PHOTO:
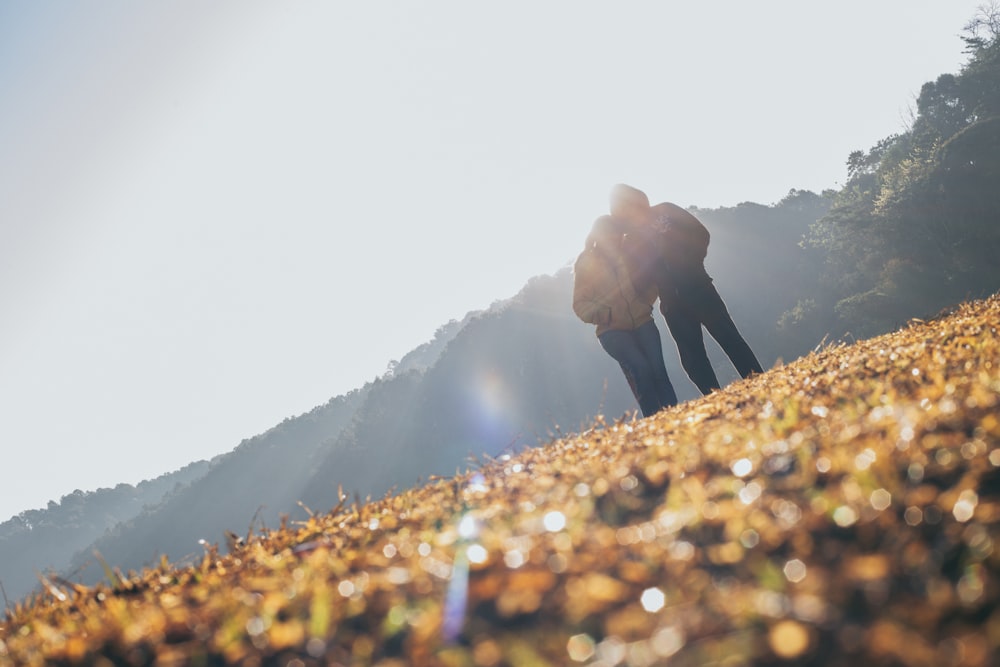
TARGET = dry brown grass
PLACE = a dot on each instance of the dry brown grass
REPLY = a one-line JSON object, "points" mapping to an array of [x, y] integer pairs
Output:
{"points": [[840, 510]]}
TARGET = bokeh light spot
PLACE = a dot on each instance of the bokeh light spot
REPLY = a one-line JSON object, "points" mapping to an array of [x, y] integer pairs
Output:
{"points": [[653, 600]]}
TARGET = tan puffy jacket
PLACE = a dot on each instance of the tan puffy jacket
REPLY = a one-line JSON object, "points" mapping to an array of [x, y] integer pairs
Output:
{"points": [[603, 293]]}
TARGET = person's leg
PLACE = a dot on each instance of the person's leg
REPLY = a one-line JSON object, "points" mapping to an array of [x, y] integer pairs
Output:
{"points": [[734, 345], [623, 346], [686, 331], [720, 325], [652, 348]]}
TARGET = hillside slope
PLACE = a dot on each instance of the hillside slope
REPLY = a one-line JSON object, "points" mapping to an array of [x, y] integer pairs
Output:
{"points": [[839, 510]]}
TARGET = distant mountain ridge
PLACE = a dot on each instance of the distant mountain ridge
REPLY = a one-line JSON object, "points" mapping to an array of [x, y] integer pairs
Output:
{"points": [[43, 540], [513, 375]]}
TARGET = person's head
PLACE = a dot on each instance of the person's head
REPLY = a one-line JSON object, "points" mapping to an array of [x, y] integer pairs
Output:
{"points": [[605, 233], [628, 203]]}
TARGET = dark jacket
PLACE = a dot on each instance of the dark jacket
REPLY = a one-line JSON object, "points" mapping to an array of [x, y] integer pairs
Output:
{"points": [[683, 246], [683, 242]]}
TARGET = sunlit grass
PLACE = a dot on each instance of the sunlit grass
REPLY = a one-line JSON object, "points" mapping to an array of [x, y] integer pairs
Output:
{"points": [[839, 510]]}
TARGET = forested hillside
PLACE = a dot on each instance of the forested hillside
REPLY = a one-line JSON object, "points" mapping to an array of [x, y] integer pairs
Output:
{"points": [[917, 225]]}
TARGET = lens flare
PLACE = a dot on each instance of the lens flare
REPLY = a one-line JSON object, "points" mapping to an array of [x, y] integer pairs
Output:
{"points": [[455, 598], [491, 410]]}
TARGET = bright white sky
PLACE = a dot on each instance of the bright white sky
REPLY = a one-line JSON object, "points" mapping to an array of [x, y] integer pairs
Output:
{"points": [[214, 216]]}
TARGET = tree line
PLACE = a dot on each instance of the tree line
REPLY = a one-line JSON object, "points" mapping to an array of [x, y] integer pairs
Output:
{"points": [[916, 227]]}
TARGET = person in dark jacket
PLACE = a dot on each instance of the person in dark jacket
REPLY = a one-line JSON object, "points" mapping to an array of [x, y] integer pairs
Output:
{"points": [[677, 244], [606, 295]]}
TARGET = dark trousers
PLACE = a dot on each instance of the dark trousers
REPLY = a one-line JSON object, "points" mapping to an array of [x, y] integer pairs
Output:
{"points": [[685, 314], [639, 352]]}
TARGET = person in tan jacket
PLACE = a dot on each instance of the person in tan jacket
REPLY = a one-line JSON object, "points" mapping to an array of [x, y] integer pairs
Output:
{"points": [[606, 295]]}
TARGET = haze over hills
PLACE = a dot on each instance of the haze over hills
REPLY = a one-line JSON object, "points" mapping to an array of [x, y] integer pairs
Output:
{"points": [[501, 379], [912, 231]]}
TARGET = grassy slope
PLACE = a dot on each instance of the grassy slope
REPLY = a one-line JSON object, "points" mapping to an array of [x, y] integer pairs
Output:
{"points": [[840, 510]]}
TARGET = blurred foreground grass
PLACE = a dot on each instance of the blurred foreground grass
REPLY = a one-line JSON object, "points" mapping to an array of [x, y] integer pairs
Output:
{"points": [[840, 510]]}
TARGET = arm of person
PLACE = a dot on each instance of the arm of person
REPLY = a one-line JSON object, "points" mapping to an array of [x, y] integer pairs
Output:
{"points": [[588, 303]]}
